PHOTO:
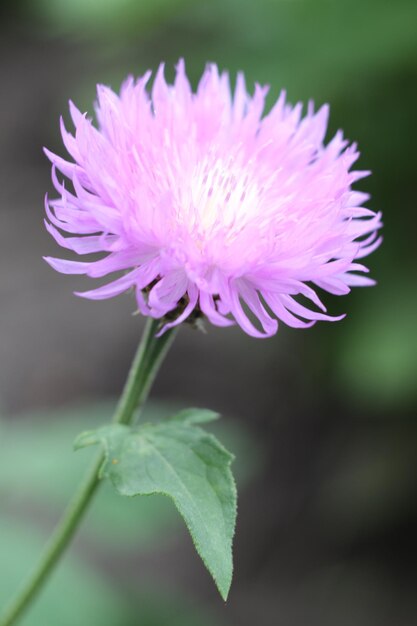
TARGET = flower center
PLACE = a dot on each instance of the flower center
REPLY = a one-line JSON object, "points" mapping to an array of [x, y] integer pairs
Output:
{"points": [[224, 197]]}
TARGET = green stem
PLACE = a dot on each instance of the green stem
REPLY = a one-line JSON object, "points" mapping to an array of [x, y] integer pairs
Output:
{"points": [[148, 358]]}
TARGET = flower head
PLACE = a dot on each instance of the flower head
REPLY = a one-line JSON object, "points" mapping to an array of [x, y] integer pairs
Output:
{"points": [[204, 206]]}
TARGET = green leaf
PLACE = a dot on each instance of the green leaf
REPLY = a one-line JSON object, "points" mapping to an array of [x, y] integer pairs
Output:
{"points": [[195, 416], [34, 446], [178, 459]]}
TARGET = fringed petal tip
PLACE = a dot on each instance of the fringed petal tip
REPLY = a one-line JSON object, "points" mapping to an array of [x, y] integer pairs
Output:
{"points": [[49, 154], [66, 267]]}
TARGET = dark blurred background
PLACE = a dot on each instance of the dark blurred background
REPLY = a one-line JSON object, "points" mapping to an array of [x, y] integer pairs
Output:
{"points": [[323, 421]]}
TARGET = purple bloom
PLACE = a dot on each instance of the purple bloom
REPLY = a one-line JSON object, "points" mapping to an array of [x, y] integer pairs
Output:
{"points": [[206, 207]]}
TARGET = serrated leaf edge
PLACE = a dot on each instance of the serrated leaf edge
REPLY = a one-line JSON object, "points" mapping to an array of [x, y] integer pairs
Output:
{"points": [[93, 437], [223, 591]]}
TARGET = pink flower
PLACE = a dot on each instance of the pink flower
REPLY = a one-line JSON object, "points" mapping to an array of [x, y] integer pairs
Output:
{"points": [[206, 207]]}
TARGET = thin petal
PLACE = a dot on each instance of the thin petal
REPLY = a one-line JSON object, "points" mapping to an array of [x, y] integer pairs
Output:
{"points": [[192, 296], [112, 289], [209, 309]]}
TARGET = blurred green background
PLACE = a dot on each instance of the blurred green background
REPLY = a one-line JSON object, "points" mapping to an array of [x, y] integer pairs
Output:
{"points": [[323, 421]]}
